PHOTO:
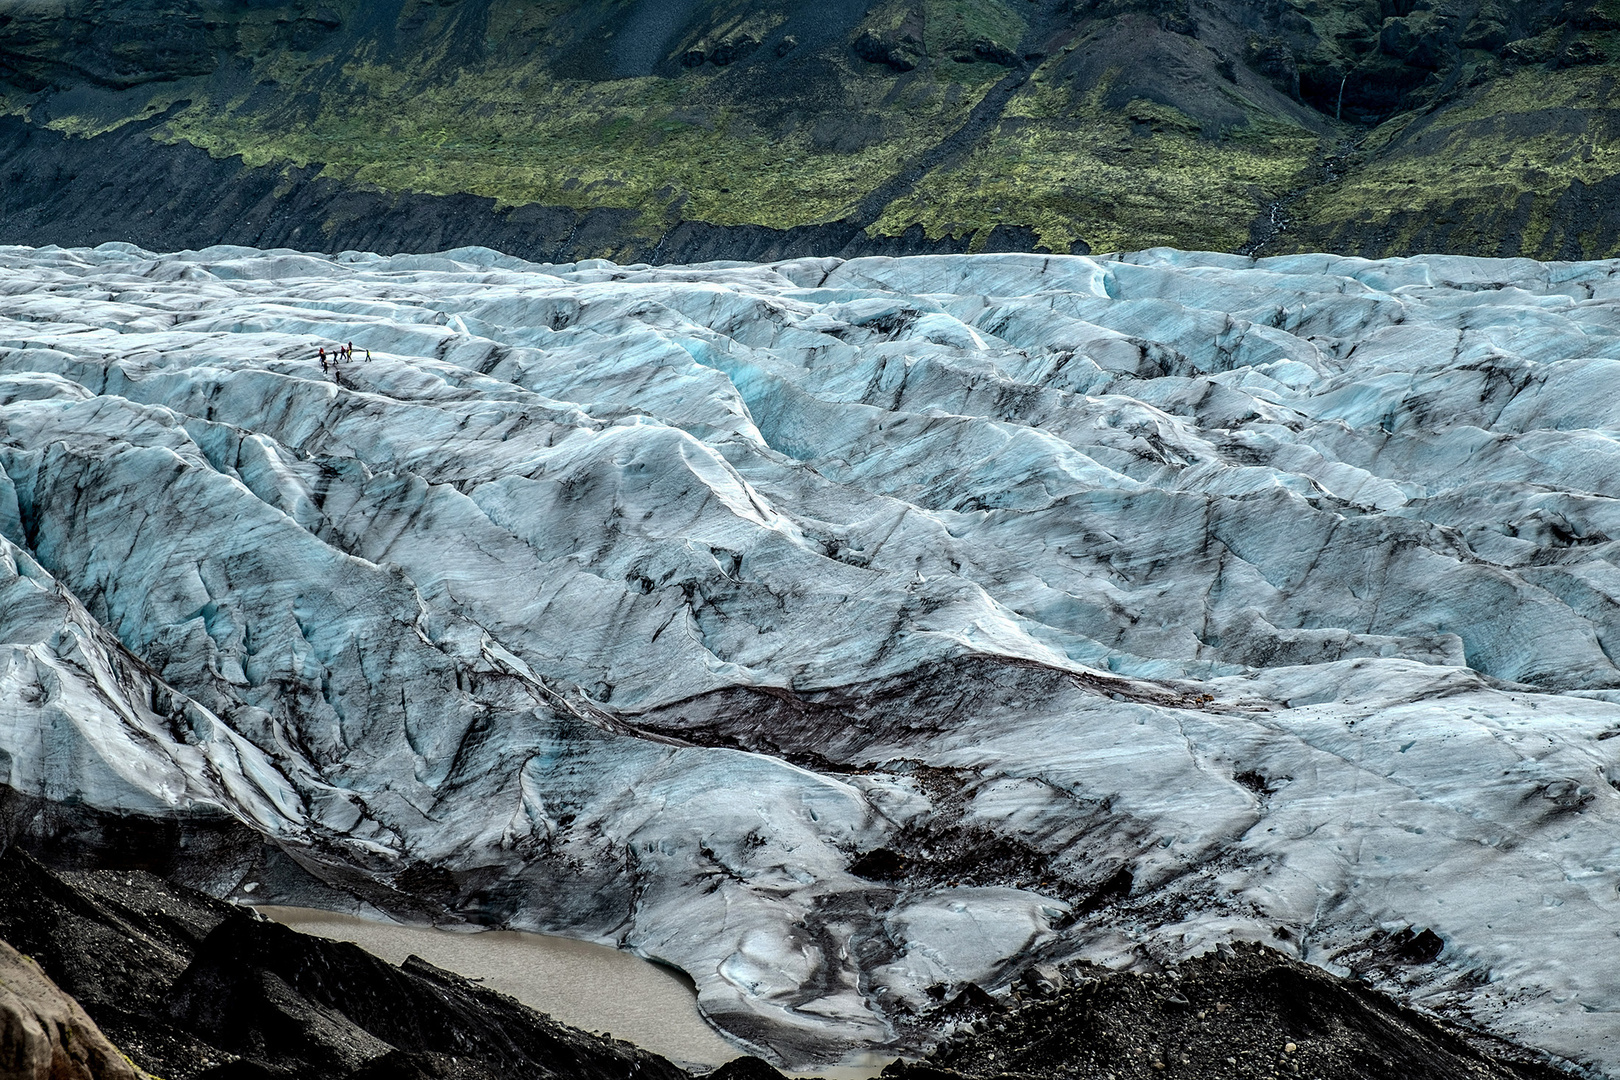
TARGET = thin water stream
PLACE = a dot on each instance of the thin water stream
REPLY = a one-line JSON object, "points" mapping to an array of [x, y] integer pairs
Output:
{"points": [[587, 986]]}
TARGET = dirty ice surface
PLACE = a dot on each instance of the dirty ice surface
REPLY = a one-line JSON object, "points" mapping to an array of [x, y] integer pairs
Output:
{"points": [[840, 632]]}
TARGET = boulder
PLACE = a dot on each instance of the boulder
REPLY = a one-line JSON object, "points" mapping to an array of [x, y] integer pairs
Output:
{"points": [[900, 48], [45, 1035], [994, 52], [1272, 58]]}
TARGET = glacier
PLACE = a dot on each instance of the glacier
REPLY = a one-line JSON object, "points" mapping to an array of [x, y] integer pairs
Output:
{"points": [[844, 632]]}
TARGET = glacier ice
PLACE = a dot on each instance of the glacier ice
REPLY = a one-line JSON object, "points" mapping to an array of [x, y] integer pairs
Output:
{"points": [[1133, 603]]}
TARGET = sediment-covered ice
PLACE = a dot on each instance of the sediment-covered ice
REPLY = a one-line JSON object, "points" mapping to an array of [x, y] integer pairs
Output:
{"points": [[841, 630]]}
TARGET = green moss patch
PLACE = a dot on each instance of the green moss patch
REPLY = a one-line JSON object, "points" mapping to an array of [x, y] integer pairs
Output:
{"points": [[665, 147], [1118, 181], [1520, 141]]}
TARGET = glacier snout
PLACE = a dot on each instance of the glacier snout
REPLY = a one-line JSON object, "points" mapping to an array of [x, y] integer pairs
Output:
{"points": [[839, 631]]}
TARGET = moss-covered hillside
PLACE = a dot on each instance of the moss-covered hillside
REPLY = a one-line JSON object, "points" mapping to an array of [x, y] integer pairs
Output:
{"points": [[1375, 126]]}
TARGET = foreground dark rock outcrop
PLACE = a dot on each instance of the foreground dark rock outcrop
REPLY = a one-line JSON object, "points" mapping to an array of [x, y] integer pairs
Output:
{"points": [[1237, 1012], [44, 1035], [192, 987]]}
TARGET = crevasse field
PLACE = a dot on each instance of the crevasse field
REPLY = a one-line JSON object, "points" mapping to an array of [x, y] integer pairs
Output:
{"points": [[836, 630]]}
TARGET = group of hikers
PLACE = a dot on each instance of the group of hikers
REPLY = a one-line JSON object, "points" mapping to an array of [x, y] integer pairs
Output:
{"points": [[340, 352]]}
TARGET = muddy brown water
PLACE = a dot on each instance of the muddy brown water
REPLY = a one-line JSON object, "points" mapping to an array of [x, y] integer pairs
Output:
{"points": [[584, 985]]}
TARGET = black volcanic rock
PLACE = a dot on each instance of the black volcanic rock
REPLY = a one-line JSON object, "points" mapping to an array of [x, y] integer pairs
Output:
{"points": [[308, 1006], [1276, 62], [189, 986], [985, 49], [902, 50], [745, 1068], [1237, 1012], [144, 41]]}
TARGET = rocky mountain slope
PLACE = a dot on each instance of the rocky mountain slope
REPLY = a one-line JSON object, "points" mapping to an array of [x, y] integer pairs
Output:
{"points": [[841, 632], [678, 131]]}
